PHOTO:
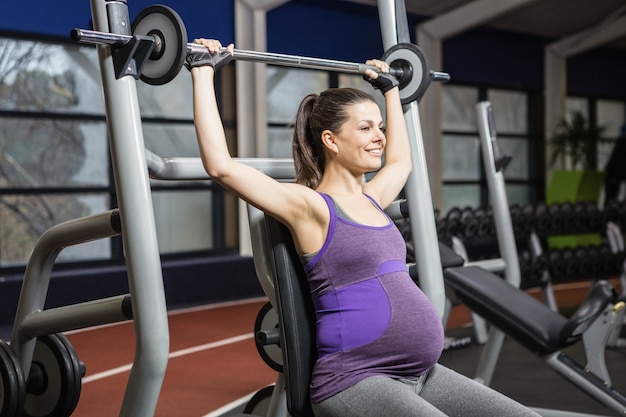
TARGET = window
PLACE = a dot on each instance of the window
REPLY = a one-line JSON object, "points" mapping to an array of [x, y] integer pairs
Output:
{"points": [[54, 153], [285, 89], [464, 183], [511, 122], [612, 115]]}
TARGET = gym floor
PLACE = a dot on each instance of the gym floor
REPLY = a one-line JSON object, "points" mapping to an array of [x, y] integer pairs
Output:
{"points": [[214, 366]]}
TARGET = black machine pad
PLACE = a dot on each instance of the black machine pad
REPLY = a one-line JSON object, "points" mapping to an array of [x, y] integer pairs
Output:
{"points": [[296, 318], [525, 319]]}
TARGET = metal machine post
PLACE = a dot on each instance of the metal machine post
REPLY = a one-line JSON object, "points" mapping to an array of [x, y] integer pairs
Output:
{"points": [[394, 28], [137, 219]]}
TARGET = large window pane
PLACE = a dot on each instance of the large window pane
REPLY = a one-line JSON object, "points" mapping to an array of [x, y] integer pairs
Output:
{"points": [[457, 108], [171, 140], [173, 100], [460, 196], [46, 152], [357, 81], [510, 111], [97, 249], [518, 150], [576, 104], [461, 158], [611, 115], [37, 76], [183, 220], [287, 87], [518, 194], [24, 218], [280, 140]]}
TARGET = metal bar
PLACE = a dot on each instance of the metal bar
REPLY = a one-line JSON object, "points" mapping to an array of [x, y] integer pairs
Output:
{"points": [[186, 168], [77, 316], [39, 270], [397, 210], [573, 372], [492, 265], [299, 61], [392, 19], [497, 190], [504, 231], [94, 37], [145, 277], [118, 40]]}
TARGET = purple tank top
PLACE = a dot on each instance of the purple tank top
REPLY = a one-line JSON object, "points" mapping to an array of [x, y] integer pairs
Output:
{"points": [[372, 319]]}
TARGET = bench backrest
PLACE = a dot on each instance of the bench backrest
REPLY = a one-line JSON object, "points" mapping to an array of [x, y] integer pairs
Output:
{"points": [[296, 317]]}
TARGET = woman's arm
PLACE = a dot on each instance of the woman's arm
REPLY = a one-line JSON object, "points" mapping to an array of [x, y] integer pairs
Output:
{"points": [[283, 201], [386, 185], [298, 207]]}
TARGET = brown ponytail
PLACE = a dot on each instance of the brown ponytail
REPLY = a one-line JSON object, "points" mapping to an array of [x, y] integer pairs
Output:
{"points": [[326, 111]]}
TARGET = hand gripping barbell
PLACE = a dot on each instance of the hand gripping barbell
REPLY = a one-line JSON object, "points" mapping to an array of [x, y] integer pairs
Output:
{"points": [[165, 30]]}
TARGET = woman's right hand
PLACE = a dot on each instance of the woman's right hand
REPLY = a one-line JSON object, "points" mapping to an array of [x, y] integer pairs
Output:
{"points": [[215, 56]]}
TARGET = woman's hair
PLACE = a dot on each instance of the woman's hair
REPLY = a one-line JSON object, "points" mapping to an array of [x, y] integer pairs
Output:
{"points": [[319, 112]]}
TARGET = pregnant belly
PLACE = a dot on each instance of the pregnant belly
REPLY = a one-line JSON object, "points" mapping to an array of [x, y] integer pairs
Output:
{"points": [[352, 316], [388, 315]]}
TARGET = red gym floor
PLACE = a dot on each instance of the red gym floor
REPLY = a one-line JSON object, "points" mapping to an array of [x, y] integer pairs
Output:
{"points": [[213, 362], [214, 365]]}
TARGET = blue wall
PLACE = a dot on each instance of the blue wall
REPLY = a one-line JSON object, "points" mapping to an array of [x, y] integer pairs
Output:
{"points": [[496, 58], [349, 31], [214, 18], [598, 72]]}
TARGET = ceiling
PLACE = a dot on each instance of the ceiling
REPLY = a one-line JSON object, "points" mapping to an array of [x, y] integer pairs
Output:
{"points": [[552, 19]]}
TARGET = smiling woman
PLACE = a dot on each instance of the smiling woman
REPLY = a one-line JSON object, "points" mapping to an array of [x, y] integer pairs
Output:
{"points": [[354, 257]]}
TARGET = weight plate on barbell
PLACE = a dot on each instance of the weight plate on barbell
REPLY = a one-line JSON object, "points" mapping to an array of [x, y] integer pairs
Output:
{"points": [[411, 60], [12, 382], [170, 50]]}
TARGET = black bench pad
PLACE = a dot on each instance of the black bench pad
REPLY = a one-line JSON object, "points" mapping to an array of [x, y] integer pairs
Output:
{"points": [[525, 319], [296, 317]]}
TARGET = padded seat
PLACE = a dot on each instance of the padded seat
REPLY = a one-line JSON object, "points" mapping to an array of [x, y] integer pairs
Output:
{"points": [[525, 319]]}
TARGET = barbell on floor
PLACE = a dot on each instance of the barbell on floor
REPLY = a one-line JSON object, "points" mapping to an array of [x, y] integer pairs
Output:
{"points": [[165, 37]]}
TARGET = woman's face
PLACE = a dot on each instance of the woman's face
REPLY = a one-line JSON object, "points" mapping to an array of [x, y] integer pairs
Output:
{"points": [[361, 140]]}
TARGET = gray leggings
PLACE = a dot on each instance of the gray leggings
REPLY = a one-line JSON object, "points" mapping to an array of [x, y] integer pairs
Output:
{"points": [[441, 392]]}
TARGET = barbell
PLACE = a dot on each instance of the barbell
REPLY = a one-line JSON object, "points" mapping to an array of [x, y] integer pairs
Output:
{"points": [[165, 30]]}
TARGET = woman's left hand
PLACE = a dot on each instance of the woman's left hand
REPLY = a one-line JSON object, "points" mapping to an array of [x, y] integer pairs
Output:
{"points": [[382, 80]]}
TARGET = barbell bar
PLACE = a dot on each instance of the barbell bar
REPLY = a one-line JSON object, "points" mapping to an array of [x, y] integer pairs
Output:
{"points": [[118, 40], [167, 30]]}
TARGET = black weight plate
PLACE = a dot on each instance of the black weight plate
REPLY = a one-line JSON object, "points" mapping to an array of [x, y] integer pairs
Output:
{"points": [[58, 395], [411, 59], [12, 383], [267, 319], [260, 402], [78, 371], [170, 51]]}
